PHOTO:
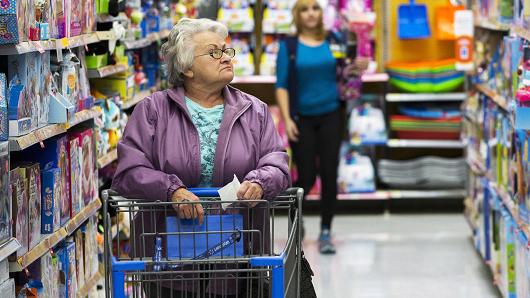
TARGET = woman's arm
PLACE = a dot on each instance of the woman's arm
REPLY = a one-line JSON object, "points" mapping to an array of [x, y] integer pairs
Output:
{"points": [[272, 171], [282, 93], [136, 175]]}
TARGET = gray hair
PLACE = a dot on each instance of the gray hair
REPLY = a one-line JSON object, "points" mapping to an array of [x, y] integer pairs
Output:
{"points": [[178, 51]]}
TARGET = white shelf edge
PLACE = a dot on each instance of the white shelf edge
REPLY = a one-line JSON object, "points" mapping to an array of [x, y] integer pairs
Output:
{"points": [[397, 194], [8, 248], [402, 143], [406, 97]]}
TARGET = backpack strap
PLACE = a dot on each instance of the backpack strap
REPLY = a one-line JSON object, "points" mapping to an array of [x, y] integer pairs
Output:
{"points": [[292, 43]]}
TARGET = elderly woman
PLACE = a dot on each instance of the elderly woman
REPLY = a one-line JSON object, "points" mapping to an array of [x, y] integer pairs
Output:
{"points": [[201, 132]]}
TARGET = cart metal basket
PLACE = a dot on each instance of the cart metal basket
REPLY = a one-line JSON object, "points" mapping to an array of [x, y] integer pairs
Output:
{"points": [[235, 252]]}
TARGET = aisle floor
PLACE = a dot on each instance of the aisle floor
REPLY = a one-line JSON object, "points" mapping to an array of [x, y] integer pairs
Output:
{"points": [[398, 256]]}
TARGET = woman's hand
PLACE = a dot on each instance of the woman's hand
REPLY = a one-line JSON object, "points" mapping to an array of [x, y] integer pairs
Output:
{"points": [[291, 129], [362, 63], [187, 211], [250, 191]]}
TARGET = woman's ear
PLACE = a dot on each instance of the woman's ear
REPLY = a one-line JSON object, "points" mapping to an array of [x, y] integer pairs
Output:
{"points": [[188, 74]]}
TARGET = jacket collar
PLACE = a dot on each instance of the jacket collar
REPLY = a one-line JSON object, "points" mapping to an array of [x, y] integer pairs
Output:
{"points": [[233, 99]]}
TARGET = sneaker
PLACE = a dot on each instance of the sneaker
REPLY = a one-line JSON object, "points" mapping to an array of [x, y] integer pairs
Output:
{"points": [[324, 242]]}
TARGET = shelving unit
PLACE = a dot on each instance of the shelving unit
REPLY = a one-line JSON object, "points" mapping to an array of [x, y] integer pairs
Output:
{"points": [[8, 248], [49, 131], [496, 98], [107, 159], [106, 71], [51, 240], [89, 285], [136, 99], [54, 44], [446, 144], [399, 194], [144, 42], [495, 26], [425, 97]]}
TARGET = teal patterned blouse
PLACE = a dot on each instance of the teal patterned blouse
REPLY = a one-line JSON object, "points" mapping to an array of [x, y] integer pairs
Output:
{"points": [[207, 121]]}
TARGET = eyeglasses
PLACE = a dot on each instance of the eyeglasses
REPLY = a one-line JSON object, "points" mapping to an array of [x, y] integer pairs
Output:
{"points": [[218, 53]]}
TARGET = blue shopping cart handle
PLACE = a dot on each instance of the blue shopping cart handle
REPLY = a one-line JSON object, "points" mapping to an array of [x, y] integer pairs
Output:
{"points": [[205, 192]]}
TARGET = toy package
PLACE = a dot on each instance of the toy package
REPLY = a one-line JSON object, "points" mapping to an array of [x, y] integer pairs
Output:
{"points": [[7, 288], [80, 258], [237, 15], [50, 275], [88, 169], [367, 125], [45, 88], [5, 199], [19, 195], [244, 60], [34, 203], [74, 156], [67, 267], [89, 16], [9, 22], [4, 115], [91, 248], [356, 172], [55, 155], [19, 109], [23, 12], [51, 200], [76, 17]]}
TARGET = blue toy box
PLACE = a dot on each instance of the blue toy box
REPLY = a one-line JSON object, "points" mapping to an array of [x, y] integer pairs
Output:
{"points": [[51, 194], [8, 22]]}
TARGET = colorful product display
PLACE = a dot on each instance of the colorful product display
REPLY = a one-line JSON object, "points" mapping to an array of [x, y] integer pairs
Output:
{"points": [[5, 198]]}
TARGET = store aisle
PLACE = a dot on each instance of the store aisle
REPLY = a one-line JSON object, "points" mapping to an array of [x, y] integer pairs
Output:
{"points": [[399, 256]]}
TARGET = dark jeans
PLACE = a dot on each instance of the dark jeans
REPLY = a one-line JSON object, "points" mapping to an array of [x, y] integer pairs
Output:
{"points": [[317, 151]]}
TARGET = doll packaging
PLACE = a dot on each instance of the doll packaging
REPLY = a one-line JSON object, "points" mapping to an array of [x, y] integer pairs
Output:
{"points": [[51, 201], [50, 273], [67, 267], [4, 115], [75, 157], [19, 195], [34, 203], [5, 199]]}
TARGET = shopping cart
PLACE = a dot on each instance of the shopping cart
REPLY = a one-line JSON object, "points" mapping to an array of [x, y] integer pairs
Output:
{"points": [[234, 253]]}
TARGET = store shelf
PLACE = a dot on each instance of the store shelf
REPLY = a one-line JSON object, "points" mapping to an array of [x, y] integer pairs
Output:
{"points": [[399, 194], [106, 71], [49, 131], [259, 79], [521, 32], [495, 26], [52, 240], [422, 97], [136, 99], [107, 159], [46, 45], [442, 144], [148, 40], [497, 98], [509, 203], [89, 285], [8, 248]]}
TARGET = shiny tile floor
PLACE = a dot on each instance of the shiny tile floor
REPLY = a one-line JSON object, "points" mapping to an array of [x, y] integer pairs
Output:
{"points": [[398, 256]]}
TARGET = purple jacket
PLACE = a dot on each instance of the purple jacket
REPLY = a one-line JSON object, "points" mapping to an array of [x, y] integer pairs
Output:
{"points": [[159, 151]]}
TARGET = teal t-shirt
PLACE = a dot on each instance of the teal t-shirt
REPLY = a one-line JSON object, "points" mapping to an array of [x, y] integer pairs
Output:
{"points": [[207, 121]]}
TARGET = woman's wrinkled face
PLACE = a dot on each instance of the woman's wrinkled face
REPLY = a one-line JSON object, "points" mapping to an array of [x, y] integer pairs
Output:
{"points": [[205, 68], [310, 15]]}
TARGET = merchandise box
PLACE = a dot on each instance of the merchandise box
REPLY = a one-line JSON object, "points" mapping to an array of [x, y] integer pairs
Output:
{"points": [[76, 17], [51, 200], [7, 288], [124, 86], [50, 275], [23, 20], [80, 259], [9, 22], [4, 116], [67, 268], [91, 248], [88, 166], [55, 155], [19, 111], [45, 89], [34, 202], [4, 270], [19, 195], [5, 199], [75, 157]]}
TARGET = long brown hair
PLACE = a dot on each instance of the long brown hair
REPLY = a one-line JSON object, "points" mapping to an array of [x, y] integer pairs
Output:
{"points": [[297, 9]]}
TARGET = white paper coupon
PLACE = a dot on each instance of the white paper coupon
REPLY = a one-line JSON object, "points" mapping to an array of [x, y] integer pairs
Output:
{"points": [[229, 192]]}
